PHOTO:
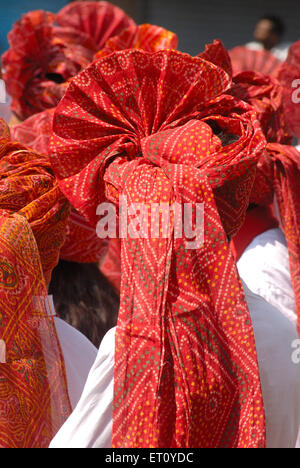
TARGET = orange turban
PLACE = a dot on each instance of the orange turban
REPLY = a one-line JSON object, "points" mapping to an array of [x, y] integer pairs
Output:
{"points": [[139, 125], [147, 37], [33, 390], [82, 244]]}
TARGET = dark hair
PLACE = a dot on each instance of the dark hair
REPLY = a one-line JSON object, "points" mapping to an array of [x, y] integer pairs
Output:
{"points": [[278, 24], [226, 138], [84, 298]]}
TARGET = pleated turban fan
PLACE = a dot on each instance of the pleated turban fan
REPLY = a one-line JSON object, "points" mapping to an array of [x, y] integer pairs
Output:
{"points": [[289, 76], [34, 399], [186, 372], [46, 50], [261, 61]]}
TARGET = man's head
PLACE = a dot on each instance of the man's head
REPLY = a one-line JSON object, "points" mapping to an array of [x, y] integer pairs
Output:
{"points": [[269, 31]]}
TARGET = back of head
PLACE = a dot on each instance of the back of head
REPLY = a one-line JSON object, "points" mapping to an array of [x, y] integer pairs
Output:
{"points": [[84, 298]]}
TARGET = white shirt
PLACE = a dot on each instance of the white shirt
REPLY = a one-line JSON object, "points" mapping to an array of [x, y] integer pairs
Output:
{"points": [[90, 424], [280, 51], [5, 100], [264, 267], [79, 355]]}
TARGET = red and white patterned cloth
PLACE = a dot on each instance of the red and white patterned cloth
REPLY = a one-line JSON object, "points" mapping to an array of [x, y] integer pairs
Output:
{"points": [[185, 359]]}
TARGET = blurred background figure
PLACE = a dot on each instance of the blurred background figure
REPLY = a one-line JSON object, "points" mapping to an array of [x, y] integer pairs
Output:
{"points": [[5, 100], [268, 34]]}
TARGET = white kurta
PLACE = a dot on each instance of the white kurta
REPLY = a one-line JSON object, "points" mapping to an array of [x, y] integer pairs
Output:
{"points": [[5, 100], [264, 267], [79, 355], [280, 51], [90, 424]]}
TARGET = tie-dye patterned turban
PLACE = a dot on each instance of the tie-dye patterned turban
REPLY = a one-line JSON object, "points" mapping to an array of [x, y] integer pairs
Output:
{"points": [[261, 61], [46, 50], [147, 37], [34, 399], [98, 20], [146, 128], [82, 244], [29, 188], [278, 170], [289, 76]]}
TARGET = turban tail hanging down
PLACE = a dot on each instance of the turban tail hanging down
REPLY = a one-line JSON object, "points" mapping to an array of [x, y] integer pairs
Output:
{"points": [[33, 389], [139, 125]]}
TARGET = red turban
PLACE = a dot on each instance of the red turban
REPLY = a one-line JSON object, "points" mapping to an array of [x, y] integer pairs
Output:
{"points": [[98, 20], [261, 61], [44, 56], [146, 37], [289, 76], [217, 54], [185, 358], [33, 390], [265, 94], [37, 65], [278, 171], [82, 244]]}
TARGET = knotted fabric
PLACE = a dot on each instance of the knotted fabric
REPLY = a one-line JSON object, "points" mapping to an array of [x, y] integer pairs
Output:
{"points": [[34, 399], [139, 125]]}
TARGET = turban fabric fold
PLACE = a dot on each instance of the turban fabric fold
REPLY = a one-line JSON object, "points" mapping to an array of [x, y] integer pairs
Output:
{"points": [[278, 170], [278, 173], [289, 76], [82, 245], [46, 50], [34, 398], [186, 372], [147, 37], [261, 61], [98, 20]]}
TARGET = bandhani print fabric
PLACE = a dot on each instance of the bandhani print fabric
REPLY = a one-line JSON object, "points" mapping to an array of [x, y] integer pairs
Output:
{"points": [[37, 67], [186, 372], [217, 54], [34, 400], [35, 131], [147, 37], [46, 50], [279, 173], [265, 94], [82, 244], [261, 61], [289, 76], [98, 20]]}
